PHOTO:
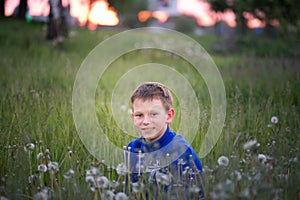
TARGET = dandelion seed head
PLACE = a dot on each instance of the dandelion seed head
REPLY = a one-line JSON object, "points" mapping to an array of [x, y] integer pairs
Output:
{"points": [[223, 161], [186, 170], [121, 196], [123, 107], [40, 196], [42, 168], [137, 187], [102, 181], [31, 178], [245, 193], [47, 152], [121, 169], [29, 147], [114, 184], [252, 144], [39, 156], [194, 189], [69, 174], [90, 179], [274, 120], [92, 187], [3, 198], [53, 167], [262, 158], [93, 171], [164, 179], [236, 175], [108, 195]]}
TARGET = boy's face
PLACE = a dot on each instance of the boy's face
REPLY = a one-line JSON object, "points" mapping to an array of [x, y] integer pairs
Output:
{"points": [[151, 118]]}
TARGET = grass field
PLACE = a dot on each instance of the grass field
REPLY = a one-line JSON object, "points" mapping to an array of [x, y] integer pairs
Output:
{"points": [[256, 157]]}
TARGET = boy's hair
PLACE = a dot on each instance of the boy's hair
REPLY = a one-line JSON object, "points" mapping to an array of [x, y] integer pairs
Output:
{"points": [[153, 90]]}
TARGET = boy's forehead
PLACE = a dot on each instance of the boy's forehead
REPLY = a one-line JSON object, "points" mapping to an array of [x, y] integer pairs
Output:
{"points": [[147, 102]]}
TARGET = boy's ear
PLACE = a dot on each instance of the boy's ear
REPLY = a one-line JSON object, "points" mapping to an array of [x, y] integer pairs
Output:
{"points": [[170, 114]]}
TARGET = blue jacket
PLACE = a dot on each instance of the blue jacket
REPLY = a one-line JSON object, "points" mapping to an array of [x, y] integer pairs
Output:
{"points": [[171, 152]]}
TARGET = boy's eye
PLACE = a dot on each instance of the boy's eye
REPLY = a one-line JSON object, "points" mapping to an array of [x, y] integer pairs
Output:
{"points": [[138, 115], [153, 114]]}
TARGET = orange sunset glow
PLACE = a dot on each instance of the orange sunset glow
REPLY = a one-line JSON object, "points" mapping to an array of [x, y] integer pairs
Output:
{"points": [[108, 16], [102, 14], [159, 15]]}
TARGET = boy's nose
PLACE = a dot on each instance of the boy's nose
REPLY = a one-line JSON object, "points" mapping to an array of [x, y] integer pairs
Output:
{"points": [[146, 119]]}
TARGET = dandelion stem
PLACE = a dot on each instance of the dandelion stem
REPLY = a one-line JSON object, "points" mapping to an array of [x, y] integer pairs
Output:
{"points": [[128, 168], [139, 165], [30, 167]]}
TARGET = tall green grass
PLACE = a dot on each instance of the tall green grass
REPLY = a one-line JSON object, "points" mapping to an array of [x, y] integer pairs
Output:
{"points": [[36, 82]]}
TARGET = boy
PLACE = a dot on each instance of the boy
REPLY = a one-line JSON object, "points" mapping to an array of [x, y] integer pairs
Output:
{"points": [[167, 156]]}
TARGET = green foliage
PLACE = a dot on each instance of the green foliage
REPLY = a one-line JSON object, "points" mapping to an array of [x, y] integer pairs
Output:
{"points": [[128, 11], [287, 12], [184, 24]]}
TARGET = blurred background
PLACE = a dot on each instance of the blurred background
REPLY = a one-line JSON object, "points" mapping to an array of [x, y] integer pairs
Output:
{"points": [[262, 16]]}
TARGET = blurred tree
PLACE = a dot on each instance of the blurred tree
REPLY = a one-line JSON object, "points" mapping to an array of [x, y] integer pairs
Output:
{"points": [[2, 8], [22, 9], [128, 10], [287, 12], [57, 27]]}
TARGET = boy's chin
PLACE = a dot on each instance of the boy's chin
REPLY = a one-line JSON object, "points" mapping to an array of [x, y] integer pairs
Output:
{"points": [[149, 137]]}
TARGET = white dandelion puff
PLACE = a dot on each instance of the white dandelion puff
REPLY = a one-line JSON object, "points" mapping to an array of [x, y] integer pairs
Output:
{"points": [[223, 161], [293, 160], [274, 120], [108, 195], [114, 184], [93, 171], [121, 196], [262, 158], [164, 179], [40, 196], [123, 107], [194, 189], [237, 175], [42, 168], [251, 144], [69, 174], [31, 178], [102, 181], [137, 187], [29, 147], [53, 167], [39, 156], [121, 169], [90, 179], [47, 152]]}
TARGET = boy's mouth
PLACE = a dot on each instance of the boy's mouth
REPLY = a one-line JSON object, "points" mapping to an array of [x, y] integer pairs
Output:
{"points": [[148, 129]]}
